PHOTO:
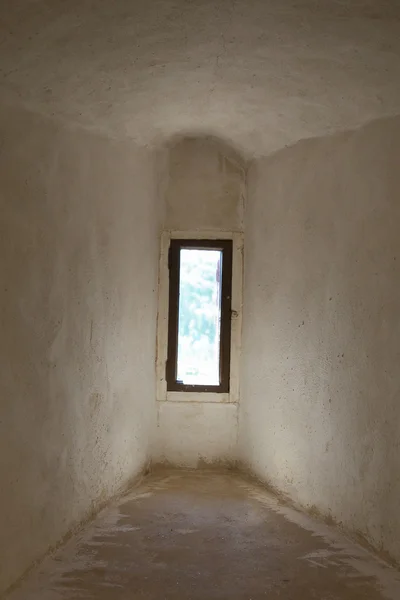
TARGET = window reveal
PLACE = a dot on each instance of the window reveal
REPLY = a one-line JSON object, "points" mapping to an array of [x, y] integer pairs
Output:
{"points": [[199, 322]]}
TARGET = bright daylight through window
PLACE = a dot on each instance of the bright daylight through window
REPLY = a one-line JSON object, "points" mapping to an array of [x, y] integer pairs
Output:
{"points": [[199, 315]]}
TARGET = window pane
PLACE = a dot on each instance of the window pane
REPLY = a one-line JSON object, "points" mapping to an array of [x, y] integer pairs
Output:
{"points": [[199, 323]]}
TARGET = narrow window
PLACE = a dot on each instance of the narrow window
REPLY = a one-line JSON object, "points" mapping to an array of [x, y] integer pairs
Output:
{"points": [[199, 321]]}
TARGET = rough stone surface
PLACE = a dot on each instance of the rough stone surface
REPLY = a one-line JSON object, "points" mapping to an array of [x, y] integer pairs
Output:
{"points": [[208, 535], [261, 73], [320, 409]]}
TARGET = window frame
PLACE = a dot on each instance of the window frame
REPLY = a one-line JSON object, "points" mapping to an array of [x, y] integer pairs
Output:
{"points": [[226, 247], [162, 395]]}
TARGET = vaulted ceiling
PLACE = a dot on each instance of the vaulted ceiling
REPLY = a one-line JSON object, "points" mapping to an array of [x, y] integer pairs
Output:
{"points": [[259, 73]]}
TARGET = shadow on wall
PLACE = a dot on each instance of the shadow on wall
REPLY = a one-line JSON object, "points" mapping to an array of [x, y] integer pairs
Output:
{"points": [[78, 257], [224, 145], [320, 381], [202, 183]]}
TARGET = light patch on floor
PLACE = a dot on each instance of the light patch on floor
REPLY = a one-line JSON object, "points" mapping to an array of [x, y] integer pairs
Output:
{"points": [[205, 534], [341, 550]]}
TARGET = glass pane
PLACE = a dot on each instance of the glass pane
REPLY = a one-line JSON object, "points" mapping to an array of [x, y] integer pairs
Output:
{"points": [[199, 324]]}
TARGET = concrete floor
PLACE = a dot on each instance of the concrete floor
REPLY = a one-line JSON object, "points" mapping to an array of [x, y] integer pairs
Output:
{"points": [[208, 535]]}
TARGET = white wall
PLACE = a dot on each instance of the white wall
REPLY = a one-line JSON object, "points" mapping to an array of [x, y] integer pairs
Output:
{"points": [[204, 190], [320, 409], [78, 264], [204, 186], [194, 434], [79, 249]]}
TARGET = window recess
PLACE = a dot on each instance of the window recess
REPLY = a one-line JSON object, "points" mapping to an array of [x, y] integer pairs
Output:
{"points": [[199, 315]]}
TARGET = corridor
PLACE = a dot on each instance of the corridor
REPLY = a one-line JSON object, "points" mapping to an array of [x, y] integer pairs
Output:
{"points": [[200, 267], [192, 535]]}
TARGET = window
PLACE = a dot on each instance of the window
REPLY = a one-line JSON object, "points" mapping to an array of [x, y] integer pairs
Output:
{"points": [[199, 318]]}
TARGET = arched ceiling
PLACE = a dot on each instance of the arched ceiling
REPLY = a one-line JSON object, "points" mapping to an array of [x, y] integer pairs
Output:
{"points": [[260, 73]]}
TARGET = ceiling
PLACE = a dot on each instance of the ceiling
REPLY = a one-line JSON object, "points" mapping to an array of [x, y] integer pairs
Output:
{"points": [[259, 73]]}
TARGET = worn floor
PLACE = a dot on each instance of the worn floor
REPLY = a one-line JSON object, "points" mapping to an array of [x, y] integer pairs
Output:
{"points": [[207, 535]]}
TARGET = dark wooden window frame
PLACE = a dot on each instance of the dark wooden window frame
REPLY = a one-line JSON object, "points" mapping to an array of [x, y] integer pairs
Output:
{"points": [[226, 246]]}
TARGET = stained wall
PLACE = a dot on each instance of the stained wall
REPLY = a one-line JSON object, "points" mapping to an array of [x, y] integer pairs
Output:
{"points": [[79, 238], [320, 410]]}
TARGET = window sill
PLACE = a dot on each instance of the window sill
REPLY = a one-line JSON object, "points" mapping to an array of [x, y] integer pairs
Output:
{"points": [[199, 397]]}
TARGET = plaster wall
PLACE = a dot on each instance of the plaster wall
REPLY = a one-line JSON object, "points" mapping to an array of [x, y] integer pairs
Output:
{"points": [[78, 263], [320, 410], [205, 186], [196, 433], [204, 189], [263, 74]]}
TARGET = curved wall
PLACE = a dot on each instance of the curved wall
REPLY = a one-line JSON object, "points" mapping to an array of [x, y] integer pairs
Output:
{"points": [[320, 409], [78, 261]]}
